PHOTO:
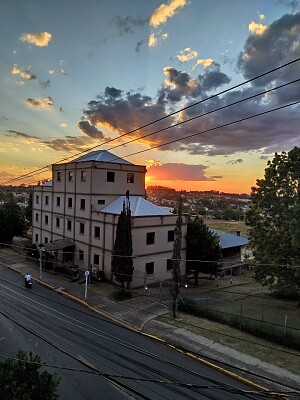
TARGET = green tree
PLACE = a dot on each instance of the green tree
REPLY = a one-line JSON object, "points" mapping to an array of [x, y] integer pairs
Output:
{"points": [[122, 263], [176, 258], [28, 209], [273, 218], [20, 379], [12, 221], [202, 248]]}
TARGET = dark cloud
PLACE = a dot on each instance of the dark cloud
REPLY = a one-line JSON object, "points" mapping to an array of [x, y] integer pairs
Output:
{"points": [[68, 144], [44, 84], [126, 25], [21, 134], [90, 130], [40, 103], [238, 161], [139, 45], [178, 171], [123, 111]]}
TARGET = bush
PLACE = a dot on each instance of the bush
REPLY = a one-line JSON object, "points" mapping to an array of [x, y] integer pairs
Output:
{"points": [[121, 295]]}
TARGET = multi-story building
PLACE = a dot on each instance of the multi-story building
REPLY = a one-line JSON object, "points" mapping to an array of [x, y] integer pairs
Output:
{"points": [[82, 204]]}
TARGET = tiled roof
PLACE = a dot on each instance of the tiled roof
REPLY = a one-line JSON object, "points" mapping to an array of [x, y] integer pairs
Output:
{"points": [[101, 155], [138, 205], [229, 240]]}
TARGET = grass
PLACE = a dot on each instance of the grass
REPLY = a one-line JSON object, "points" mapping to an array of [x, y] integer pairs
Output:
{"points": [[235, 339], [227, 226]]}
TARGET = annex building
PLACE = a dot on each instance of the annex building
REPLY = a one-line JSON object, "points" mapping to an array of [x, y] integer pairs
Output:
{"points": [[75, 218]]}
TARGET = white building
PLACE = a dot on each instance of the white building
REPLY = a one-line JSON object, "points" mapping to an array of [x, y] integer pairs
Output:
{"points": [[82, 205]]}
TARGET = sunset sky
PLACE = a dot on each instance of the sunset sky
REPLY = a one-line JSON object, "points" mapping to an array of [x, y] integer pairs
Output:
{"points": [[77, 74]]}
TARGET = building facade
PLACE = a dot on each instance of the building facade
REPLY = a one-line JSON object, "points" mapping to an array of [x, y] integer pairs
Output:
{"points": [[83, 203]]}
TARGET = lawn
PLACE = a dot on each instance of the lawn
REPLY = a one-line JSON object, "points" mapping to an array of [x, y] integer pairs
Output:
{"points": [[227, 226]]}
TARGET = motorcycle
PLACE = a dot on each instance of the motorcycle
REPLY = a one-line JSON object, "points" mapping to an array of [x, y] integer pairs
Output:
{"points": [[28, 283]]}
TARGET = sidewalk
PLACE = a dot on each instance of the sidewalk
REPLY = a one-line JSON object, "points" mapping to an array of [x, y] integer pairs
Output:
{"points": [[139, 314]]}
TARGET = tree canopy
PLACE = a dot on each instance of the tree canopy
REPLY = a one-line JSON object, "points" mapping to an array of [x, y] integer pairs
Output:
{"points": [[20, 379], [12, 221], [201, 245], [122, 263], [273, 219]]}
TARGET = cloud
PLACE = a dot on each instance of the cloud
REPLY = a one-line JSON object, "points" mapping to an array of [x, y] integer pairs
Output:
{"points": [[152, 41], [256, 28], [44, 84], [187, 54], [122, 111], [178, 172], [63, 125], [206, 63], [127, 24], [24, 73], [261, 17], [51, 71], [39, 103], [40, 39], [166, 11], [21, 134], [238, 161], [68, 144], [90, 130], [139, 45]]}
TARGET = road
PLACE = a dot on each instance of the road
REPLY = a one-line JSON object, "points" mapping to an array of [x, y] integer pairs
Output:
{"points": [[97, 358]]}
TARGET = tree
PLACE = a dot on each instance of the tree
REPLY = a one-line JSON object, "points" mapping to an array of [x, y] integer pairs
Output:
{"points": [[20, 379], [201, 245], [273, 218], [176, 258], [28, 209], [12, 221], [122, 263]]}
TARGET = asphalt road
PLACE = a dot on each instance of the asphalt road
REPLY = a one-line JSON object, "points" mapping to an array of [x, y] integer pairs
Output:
{"points": [[97, 358]]}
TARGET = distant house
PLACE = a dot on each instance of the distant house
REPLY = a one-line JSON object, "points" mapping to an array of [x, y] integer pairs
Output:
{"points": [[76, 214], [233, 246]]}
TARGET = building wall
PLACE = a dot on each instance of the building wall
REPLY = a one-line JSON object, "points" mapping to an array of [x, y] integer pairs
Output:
{"points": [[71, 208]]}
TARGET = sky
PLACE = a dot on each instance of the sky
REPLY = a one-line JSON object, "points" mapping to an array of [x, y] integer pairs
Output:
{"points": [[80, 74]]}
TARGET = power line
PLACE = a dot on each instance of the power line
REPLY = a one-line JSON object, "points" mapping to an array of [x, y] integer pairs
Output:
{"points": [[162, 118]]}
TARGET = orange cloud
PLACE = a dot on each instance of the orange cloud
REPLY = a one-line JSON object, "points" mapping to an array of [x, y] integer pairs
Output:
{"points": [[166, 11], [40, 39]]}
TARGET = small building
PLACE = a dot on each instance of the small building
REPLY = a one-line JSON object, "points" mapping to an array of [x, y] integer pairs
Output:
{"points": [[82, 205]]}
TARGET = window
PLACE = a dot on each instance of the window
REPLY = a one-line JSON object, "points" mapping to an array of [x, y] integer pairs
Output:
{"points": [[81, 255], [46, 200], [110, 176], [81, 228], [149, 268], [58, 201], [36, 237], [58, 176], [69, 225], [97, 232], [82, 204], [37, 199], [150, 238], [46, 219], [57, 222], [169, 264], [70, 176], [36, 217], [46, 239], [83, 176], [171, 235], [101, 202], [96, 259], [130, 178], [70, 202]]}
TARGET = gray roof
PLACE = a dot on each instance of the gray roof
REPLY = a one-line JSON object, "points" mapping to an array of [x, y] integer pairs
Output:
{"points": [[228, 240], [103, 156], [138, 205], [59, 244]]}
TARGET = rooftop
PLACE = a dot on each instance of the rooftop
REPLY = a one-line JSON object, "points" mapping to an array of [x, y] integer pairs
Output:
{"points": [[138, 205], [229, 240], [103, 156]]}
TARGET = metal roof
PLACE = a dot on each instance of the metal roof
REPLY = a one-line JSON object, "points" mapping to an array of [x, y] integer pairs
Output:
{"points": [[103, 156], [228, 240], [59, 244], [138, 205]]}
